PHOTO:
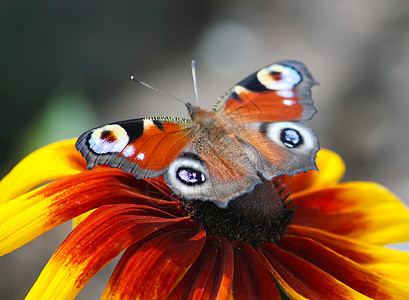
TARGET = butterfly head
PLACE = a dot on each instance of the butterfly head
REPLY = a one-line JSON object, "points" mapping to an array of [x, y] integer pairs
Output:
{"points": [[193, 110]]}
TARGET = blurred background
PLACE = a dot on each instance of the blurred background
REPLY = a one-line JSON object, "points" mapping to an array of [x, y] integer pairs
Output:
{"points": [[65, 68]]}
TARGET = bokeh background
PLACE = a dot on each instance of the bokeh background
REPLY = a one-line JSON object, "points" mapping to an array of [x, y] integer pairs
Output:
{"points": [[65, 67]]}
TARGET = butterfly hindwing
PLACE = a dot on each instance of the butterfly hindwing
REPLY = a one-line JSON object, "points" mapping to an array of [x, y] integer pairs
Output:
{"points": [[276, 148], [216, 171], [144, 147], [277, 92]]}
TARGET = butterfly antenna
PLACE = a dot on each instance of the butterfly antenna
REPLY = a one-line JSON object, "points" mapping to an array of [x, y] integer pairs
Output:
{"points": [[195, 81], [157, 90]]}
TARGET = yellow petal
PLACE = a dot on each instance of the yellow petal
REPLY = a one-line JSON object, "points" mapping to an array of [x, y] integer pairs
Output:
{"points": [[331, 168], [80, 218], [57, 285], [49, 163], [23, 219]]}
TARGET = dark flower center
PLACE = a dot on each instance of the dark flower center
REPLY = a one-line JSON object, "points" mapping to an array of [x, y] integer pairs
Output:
{"points": [[254, 218]]}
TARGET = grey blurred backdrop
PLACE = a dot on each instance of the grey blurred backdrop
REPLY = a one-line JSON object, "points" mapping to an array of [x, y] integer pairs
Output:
{"points": [[65, 67]]}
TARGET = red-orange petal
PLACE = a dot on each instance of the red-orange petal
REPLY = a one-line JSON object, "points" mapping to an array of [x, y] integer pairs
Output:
{"points": [[361, 210], [210, 277], [298, 277], [251, 278], [79, 193], [152, 268], [354, 275], [108, 231]]}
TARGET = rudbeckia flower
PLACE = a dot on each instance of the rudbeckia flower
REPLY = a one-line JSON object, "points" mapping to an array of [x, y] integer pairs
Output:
{"points": [[325, 241]]}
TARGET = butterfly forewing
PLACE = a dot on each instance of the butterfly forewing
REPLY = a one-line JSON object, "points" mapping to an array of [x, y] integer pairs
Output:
{"points": [[277, 92], [144, 147]]}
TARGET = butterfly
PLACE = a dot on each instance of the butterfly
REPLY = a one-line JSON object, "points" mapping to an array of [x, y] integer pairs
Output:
{"points": [[253, 133]]}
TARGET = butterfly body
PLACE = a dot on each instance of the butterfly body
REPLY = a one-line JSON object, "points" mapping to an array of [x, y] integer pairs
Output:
{"points": [[254, 133]]}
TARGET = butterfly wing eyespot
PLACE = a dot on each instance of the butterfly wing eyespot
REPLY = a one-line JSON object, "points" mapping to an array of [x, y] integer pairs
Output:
{"points": [[108, 139], [190, 176], [295, 136], [278, 77], [187, 175], [291, 138]]}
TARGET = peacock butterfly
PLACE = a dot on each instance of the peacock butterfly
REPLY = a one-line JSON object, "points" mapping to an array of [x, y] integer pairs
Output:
{"points": [[253, 133]]}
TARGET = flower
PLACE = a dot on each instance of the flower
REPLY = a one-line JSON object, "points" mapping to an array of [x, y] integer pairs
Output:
{"points": [[328, 243]]}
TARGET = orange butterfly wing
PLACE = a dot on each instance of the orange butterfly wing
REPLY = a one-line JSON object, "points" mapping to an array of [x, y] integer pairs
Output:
{"points": [[144, 147], [278, 92]]}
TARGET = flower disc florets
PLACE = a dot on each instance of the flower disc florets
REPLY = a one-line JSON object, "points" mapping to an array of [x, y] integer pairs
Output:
{"points": [[254, 218]]}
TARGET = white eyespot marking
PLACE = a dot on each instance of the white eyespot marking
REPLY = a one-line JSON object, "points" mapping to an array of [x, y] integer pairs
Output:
{"points": [[140, 156], [289, 102], [293, 135], [187, 171], [188, 177], [279, 77], [128, 151], [108, 139], [286, 93]]}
